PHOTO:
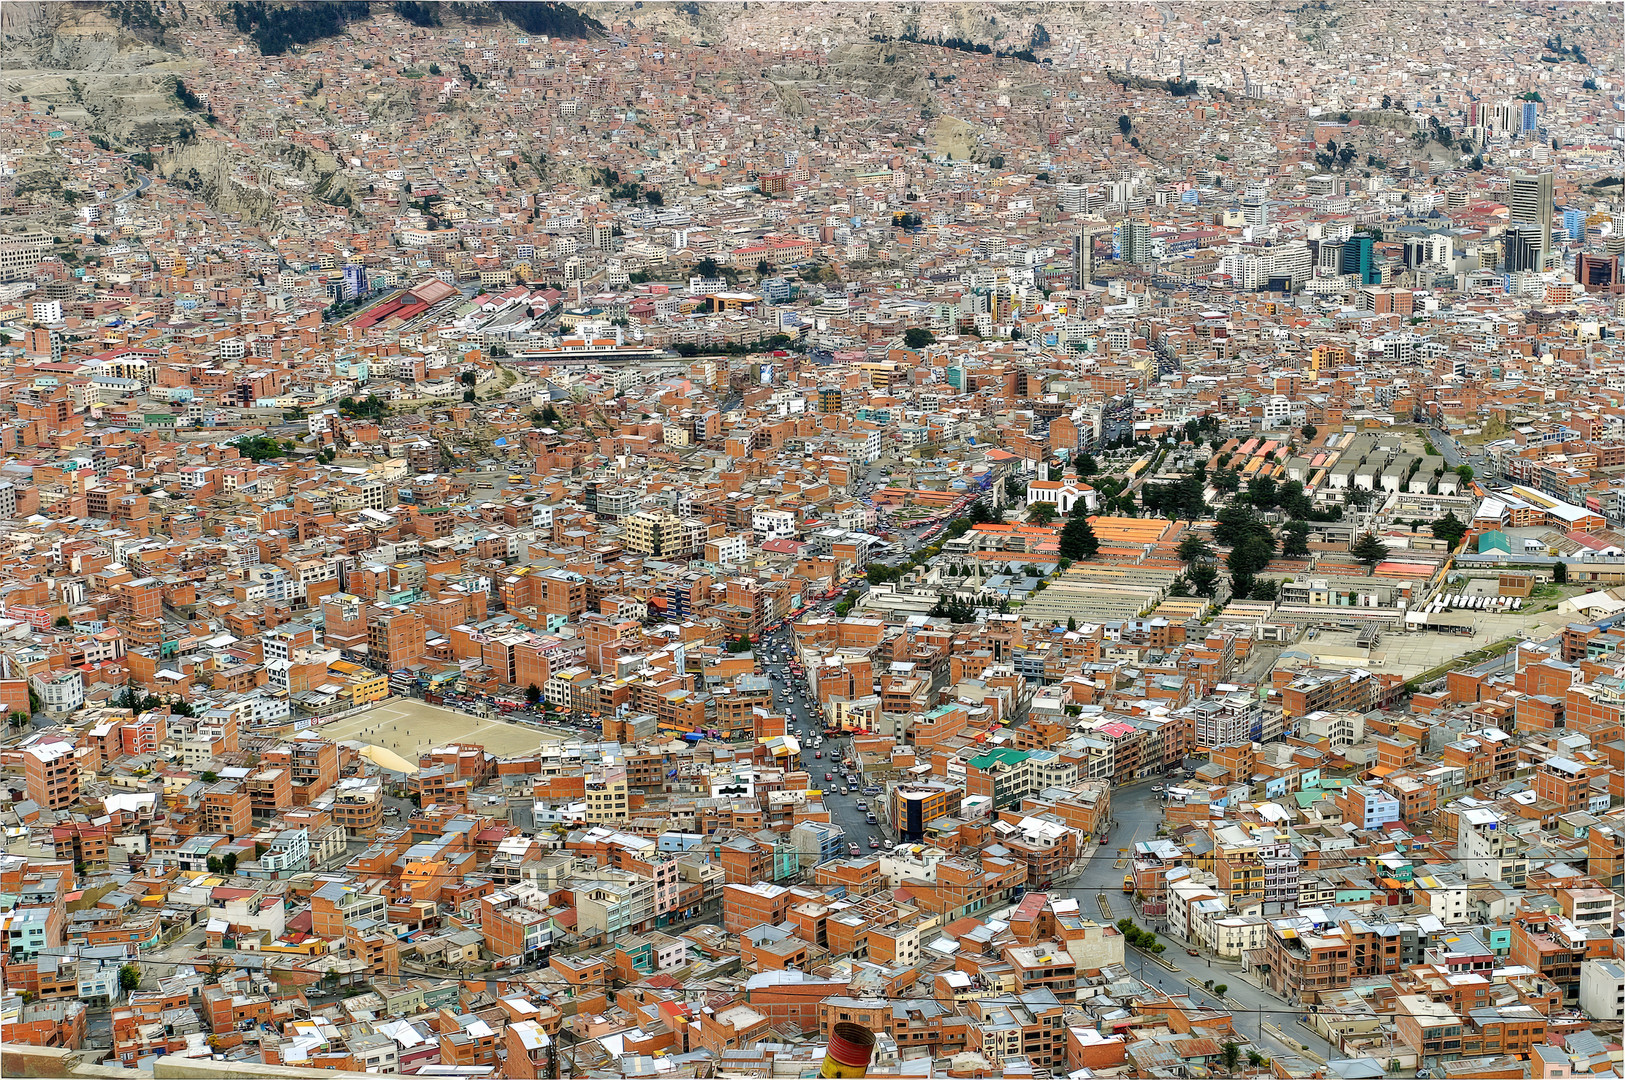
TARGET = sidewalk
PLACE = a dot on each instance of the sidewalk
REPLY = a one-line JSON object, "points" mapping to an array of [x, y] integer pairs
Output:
{"points": [[1212, 959]]}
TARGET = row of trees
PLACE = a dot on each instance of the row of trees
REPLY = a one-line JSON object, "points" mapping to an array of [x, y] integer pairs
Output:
{"points": [[1140, 939], [954, 609]]}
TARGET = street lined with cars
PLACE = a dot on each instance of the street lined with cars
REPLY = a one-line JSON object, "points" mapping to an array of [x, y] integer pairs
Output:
{"points": [[844, 791]]}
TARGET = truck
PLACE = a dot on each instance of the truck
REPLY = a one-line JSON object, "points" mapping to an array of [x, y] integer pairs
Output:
{"points": [[1128, 883]]}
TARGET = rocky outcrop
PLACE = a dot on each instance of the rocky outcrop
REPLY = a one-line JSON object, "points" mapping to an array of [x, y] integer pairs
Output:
{"points": [[823, 25], [233, 184], [93, 71], [210, 170], [79, 37]]}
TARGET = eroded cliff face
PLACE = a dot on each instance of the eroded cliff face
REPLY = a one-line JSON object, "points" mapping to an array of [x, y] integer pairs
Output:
{"points": [[89, 38], [89, 70], [822, 26], [209, 170], [112, 68], [253, 187]]}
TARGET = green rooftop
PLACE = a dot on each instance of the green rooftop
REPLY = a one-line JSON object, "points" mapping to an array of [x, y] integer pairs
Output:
{"points": [[1002, 756]]}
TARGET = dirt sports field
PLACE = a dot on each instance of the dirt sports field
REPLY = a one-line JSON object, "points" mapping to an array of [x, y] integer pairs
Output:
{"points": [[409, 727]]}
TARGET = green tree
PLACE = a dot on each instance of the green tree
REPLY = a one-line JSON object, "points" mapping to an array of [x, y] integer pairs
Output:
{"points": [[1369, 550], [1194, 549], [1261, 492], [917, 337], [19, 719], [1125, 125], [707, 268], [1309, 431], [258, 447], [468, 378], [212, 864], [550, 416], [1220, 989], [1071, 622], [1087, 465], [63, 623], [1295, 538], [1204, 579], [1041, 513], [533, 694], [954, 609], [1560, 573], [1290, 497], [1465, 472], [1231, 1055], [1078, 540], [129, 978], [1251, 555], [207, 776], [229, 863], [1449, 529], [1236, 523], [469, 396]]}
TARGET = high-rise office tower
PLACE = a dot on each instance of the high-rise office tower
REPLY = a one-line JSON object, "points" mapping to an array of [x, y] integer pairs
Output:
{"points": [[1358, 258], [1135, 241], [1522, 247], [1573, 224], [1530, 203], [1083, 258], [1255, 207], [1072, 197]]}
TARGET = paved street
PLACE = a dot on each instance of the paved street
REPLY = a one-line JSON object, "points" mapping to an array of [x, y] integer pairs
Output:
{"points": [[1137, 812], [806, 721], [1443, 444], [143, 182]]}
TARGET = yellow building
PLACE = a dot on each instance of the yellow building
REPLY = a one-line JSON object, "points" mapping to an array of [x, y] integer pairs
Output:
{"points": [[361, 685]]}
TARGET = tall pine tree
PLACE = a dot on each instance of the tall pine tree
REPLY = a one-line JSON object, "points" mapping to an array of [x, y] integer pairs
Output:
{"points": [[1078, 540]]}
